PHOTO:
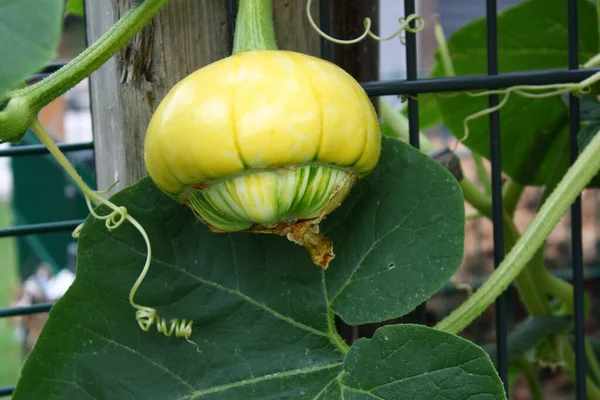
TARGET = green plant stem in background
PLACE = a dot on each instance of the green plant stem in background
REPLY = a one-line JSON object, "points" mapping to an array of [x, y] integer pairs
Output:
{"points": [[47, 141], [593, 364], [446, 59], [482, 173], [254, 27], [530, 373], [572, 184], [533, 297], [473, 196], [399, 124], [511, 194], [30, 100], [449, 71], [593, 392]]}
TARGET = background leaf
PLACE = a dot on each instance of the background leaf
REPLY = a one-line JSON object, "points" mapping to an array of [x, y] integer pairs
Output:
{"points": [[534, 138], [529, 333], [418, 363], [262, 311], [590, 118], [30, 32]]}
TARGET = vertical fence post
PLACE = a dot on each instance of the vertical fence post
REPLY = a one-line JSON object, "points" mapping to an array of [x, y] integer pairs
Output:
{"points": [[413, 111], [497, 208], [576, 221]]}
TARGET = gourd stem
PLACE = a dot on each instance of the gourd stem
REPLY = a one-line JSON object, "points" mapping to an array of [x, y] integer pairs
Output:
{"points": [[254, 28]]}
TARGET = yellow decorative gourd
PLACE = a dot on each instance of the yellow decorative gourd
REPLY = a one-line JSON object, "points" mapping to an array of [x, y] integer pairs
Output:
{"points": [[266, 141]]}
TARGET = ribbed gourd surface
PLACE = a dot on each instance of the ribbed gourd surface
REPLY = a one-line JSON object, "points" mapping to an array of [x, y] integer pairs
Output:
{"points": [[260, 110]]}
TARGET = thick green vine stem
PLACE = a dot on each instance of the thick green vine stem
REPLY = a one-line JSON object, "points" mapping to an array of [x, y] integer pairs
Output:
{"points": [[574, 181], [254, 28], [24, 104], [145, 316]]}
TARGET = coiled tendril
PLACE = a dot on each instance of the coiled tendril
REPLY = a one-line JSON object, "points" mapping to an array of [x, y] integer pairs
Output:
{"points": [[528, 91], [405, 25], [145, 316]]}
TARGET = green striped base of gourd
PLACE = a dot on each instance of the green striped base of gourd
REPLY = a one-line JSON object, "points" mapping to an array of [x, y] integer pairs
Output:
{"points": [[268, 198]]}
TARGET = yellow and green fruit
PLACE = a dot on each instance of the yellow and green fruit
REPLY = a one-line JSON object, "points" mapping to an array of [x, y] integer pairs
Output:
{"points": [[265, 141]]}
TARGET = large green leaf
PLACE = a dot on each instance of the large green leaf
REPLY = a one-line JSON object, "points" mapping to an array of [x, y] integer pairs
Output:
{"points": [[415, 362], [262, 311], [531, 36], [30, 31]]}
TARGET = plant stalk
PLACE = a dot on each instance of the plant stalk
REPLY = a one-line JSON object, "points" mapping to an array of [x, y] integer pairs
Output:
{"points": [[572, 184], [254, 28], [511, 195], [47, 141], [473, 196], [593, 363], [593, 391], [482, 173], [399, 124], [529, 371]]}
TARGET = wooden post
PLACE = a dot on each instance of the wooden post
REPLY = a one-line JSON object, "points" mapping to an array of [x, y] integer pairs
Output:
{"points": [[361, 60], [184, 36]]}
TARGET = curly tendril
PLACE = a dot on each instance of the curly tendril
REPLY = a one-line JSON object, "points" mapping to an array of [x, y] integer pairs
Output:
{"points": [[145, 316], [405, 25], [528, 91]]}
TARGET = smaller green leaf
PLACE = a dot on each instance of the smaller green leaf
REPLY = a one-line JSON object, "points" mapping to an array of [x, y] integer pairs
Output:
{"points": [[529, 334], [75, 7], [415, 362], [589, 108]]}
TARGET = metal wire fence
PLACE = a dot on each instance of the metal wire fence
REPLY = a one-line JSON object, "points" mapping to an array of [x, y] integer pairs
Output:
{"points": [[414, 86]]}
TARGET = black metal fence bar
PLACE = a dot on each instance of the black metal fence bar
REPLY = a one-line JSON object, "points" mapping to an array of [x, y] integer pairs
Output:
{"points": [[48, 227], [25, 310], [413, 111], [476, 82], [576, 223], [325, 24], [449, 84], [37, 149], [231, 14], [497, 209]]}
